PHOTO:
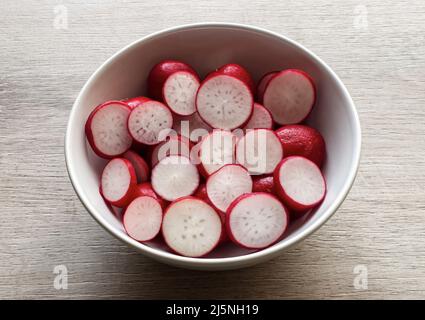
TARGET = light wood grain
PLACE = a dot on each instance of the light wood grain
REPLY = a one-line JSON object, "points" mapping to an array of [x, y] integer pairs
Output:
{"points": [[381, 224]]}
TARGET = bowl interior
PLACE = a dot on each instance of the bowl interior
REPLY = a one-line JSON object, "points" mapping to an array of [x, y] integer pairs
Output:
{"points": [[206, 48]]}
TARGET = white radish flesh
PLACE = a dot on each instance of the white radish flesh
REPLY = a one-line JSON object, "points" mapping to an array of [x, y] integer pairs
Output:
{"points": [[260, 119], [192, 127]]}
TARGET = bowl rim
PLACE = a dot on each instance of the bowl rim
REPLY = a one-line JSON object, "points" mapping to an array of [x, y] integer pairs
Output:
{"points": [[199, 262]]}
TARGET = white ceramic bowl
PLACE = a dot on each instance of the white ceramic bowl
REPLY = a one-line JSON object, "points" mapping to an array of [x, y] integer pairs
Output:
{"points": [[205, 47]]}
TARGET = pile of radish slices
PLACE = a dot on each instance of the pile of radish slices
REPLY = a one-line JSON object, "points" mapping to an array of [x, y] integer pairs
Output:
{"points": [[209, 161]]}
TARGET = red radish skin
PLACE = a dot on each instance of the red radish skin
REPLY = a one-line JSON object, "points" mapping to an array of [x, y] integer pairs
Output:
{"points": [[259, 151], [175, 145], [139, 165], [237, 71], [300, 140], [261, 118], [262, 84], [145, 189], [159, 74], [224, 102], [137, 101], [175, 177], [191, 227], [142, 218], [290, 96], [299, 183], [263, 184], [192, 127], [256, 220], [106, 129], [226, 184], [117, 182], [179, 92], [150, 123]]}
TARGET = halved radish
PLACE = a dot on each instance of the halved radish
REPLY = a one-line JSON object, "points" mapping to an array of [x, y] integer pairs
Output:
{"points": [[226, 184], [216, 150], [175, 145], [145, 189], [256, 220], [237, 71], [191, 227], [135, 102], [224, 102], [175, 177], [106, 129], [150, 122], [117, 182], [159, 74], [263, 184], [299, 183], [300, 140], [259, 151], [139, 164], [262, 84], [143, 218], [261, 118], [179, 92], [290, 96], [192, 127]]}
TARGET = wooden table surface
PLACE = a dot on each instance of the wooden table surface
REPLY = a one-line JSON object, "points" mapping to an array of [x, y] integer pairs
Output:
{"points": [[50, 48]]}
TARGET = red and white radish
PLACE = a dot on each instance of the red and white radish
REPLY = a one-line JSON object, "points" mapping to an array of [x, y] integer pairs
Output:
{"points": [[150, 122], [142, 218], [139, 165], [259, 151], [117, 182], [300, 140], [174, 145], [192, 127], [175, 177], [263, 184], [191, 227], [159, 74], [256, 220], [179, 92], [226, 184], [299, 183], [290, 96], [237, 71], [262, 84], [145, 189], [261, 118], [106, 129], [224, 102], [135, 102], [216, 150]]}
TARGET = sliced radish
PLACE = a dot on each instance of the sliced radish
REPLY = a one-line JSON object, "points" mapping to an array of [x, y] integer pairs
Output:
{"points": [[191, 227], [143, 218], [290, 96], [106, 129], [299, 183], [145, 189], [179, 92], [139, 164], [175, 145], [256, 220], [224, 102], [216, 150], [135, 102], [175, 177], [237, 71], [117, 181], [263, 184], [226, 184], [261, 118], [192, 127], [259, 151], [262, 84], [150, 122]]}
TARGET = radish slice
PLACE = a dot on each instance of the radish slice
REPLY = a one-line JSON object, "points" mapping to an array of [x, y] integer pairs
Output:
{"points": [[106, 129], [256, 220], [224, 102], [299, 183], [192, 127], [179, 92], [191, 227], [175, 145], [290, 96], [262, 84], [216, 150], [226, 184], [139, 164], [135, 102], [175, 177], [145, 189], [150, 122], [261, 118], [117, 181], [263, 184], [259, 151], [142, 218]]}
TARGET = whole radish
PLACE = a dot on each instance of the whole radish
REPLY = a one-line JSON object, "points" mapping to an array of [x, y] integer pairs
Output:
{"points": [[263, 184]]}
